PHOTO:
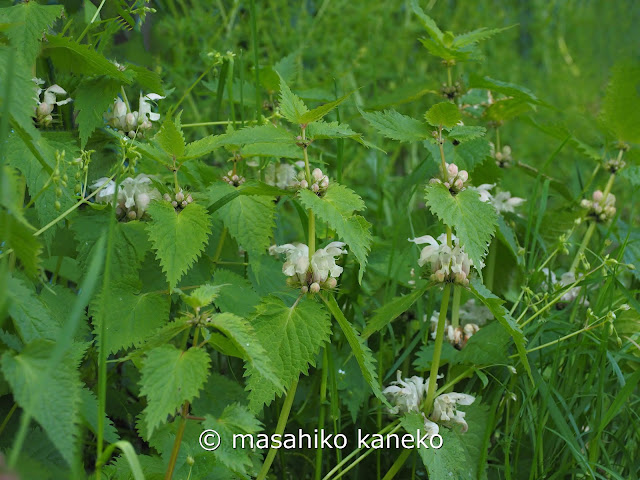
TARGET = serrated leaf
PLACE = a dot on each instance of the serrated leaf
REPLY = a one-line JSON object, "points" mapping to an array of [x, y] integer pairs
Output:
{"points": [[17, 94], [202, 296], [323, 130], [397, 126], [50, 395], [474, 221], [336, 208], [495, 304], [291, 106], [469, 155], [148, 80], [235, 420], [31, 318], [360, 350], [18, 235], [93, 97], [428, 23], [445, 114], [203, 146], [81, 59], [292, 338], [259, 134], [170, 377], [277, 150], [89, 414], [236, 295], [505, 88], [177, 238], [476, 36], [318, 113], [464, 133], [170, 137], [621, 106], [29, 21]]}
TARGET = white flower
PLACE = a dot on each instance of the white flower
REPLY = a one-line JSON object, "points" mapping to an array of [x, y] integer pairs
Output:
{"points": [[501, 201], [455, 179], [144, 108], [447, 264], [133, 123], [107, 193], [406, 395], [602, 207], [323, 262], [445, 411], [297, 263], [134, 194], [322, 270], [473, 313], [282, 175], [49, 100]]}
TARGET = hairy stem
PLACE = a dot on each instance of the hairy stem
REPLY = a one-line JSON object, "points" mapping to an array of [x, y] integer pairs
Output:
{"points": [[435, 363], [455, 309], [177, 442]]}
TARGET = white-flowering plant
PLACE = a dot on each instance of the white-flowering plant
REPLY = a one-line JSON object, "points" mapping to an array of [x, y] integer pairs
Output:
{"points": [[501, 201], [46, 100], [133, 123], [133, 197], [448, 263], [454, 179], [602, 207]]}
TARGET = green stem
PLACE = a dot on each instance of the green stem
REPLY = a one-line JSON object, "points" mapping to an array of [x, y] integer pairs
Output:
{"points": [[435, 362], [93, 19], [25, 419], [443, 163], [8, 417], [188, 91], [455, 309], [177, 442], [607, 188], [282, 423], [583, 246], [491, 266], [311, 216], [256, 66], [397, 465], [323, 410], [498, 146], [449, 79]]}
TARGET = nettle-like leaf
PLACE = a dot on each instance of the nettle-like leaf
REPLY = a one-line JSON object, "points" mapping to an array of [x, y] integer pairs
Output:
{"points": [[337, 209], [474, 221], [496, 305], [170, 377], [31, 318], [467, 155], [250, 219], [178, 238], [19, 235], [322, 130], [621, 107], [92, 98], [20, 103], [397, 126], [236, 295], [445, 114], [170, 137], [292, 338], [319, 112], [236, 419], [464, 133], [291, 106], [202, 296], [29, 21], [50, 394]]}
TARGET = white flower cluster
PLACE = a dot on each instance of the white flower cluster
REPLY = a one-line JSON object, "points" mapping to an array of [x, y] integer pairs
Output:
{"points": [[455, 179], [233, 179], [503, 157], [602, 207], [48, 101], [133, 197], [501, 201], [472, 317], [311, 275], [179, 200], [447, 264], [407, 396], [613, 165], [566, 279], [133, 124], [320, 182], [281, 175]]}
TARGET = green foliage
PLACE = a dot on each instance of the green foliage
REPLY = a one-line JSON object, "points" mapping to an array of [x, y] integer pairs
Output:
{"points": [[170, 137], [621, 107], [93, 97], [474, 221], [397, 126], [177, 238], [444, 114], [17, 94], [169, 378], [20, 237]]}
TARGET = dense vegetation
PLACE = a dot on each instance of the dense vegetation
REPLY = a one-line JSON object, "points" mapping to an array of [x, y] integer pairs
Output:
{"points": [[342, 218]]}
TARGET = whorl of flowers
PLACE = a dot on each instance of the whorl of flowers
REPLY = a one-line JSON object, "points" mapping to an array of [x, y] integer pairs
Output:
{"points": [[133, 124], [455, 179], [133, 197], [446, 412], [501, 201], [46, 100], [613, 165], [602, 207], [448, 264], [281, 175], [311, 275], [566, 279], [319, 182], [234, 179], [503, 157], [179, 200]]}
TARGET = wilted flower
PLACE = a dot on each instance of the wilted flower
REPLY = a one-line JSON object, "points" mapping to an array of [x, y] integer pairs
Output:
{"points": [[447, 264], [49, 100], [445, 411], [602, 207]]}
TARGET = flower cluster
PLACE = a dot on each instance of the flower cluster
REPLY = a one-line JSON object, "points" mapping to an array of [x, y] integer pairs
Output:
{"points": [[472, 317], [233, 179], [179, 200], [49, 100], [133, 124], [501, 201], [448, 264], [133, 197], [566, 279], [281, 175], [407, 396], [321, 271], [613, 165], [503, 157], [602, 207], [319, 182], [455, 179]]}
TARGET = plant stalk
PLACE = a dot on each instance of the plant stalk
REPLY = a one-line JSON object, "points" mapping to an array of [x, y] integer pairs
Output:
{"points": [[435, 363], [177, 442], [323, 410]]}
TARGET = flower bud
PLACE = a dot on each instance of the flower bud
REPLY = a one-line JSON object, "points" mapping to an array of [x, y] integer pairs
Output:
{"points": [[452, 168], [190, 460], [184, 203], [46, 121], [132, 134], [314, 287], [118, 211], [130, 120], [189, 199], [235, 178], [44, 109], [132, 214], [597, 195], [57, 205], [317, 174], [304, 289], [463, 175], [459, 184], [166, 197], [175, 204], [331, 282], [315, 187], [324, 183], [304, 184], [179, 197]]}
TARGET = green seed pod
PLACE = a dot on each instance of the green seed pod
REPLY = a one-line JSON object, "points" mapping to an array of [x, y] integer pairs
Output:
{"points": [[57, 205], [58, 192]]}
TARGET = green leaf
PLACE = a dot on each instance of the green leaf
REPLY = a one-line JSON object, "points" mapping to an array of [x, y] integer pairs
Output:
{"points": [[428, 23], [89, 415], [81, 59], [318, 113], [472, 153], [235, 420], [621, 106], [236, 295], [170, 377], [170, 137], [292, 338], [31, 317], [463, 133], [396, 126], [18, 235], [93, 97], [50, 395], [203, 146], [336, 208], [392, 310], [177, 238], [474, 221], [202, 296], [18, 89], [323, 130], [29, 21], [360, 350], [476, 36], [518, 92], [291, 106], [495, 304], [445, 114]]}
